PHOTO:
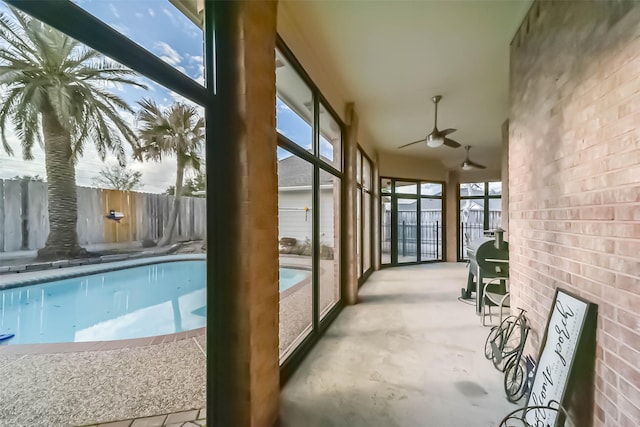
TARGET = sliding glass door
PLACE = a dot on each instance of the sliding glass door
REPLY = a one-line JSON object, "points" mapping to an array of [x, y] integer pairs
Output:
{"points": [[411, 221]]}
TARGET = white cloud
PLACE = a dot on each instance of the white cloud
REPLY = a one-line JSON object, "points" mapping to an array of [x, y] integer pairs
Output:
{"points": [[172, 18], [200, 77], [179, 98], [151, 12], [196, 59], [168, 54], [114, 10], [139, 15]]}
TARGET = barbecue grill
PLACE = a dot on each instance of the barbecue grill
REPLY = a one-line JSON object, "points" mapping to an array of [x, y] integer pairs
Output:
{"points": [[488, 259]]}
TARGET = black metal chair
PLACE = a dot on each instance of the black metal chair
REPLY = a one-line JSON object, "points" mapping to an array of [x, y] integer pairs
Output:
{"points": [[495, 294]]}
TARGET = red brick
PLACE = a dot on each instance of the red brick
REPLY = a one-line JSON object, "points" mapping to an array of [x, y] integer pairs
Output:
{"points": [[574, 182]]}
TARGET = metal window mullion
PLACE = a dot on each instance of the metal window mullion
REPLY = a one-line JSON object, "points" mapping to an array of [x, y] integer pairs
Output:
{"points": [[316, 215], [84, 27], [418, 230], [371, 228], [295, 149], [394, 228]]}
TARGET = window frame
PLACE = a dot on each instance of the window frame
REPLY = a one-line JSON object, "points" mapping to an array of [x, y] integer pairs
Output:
{"points": [[393, 195], [360, 190], [486, 197], [319, 326]]}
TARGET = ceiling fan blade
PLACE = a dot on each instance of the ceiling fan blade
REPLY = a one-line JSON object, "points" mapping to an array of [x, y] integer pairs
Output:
{"points": [[411, 143], [475, 165], [447, 131], [451, 143]]}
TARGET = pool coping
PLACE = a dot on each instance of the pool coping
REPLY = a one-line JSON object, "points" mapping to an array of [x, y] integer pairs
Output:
{"points": [[27, 278], [89, 260], [77, 347]]}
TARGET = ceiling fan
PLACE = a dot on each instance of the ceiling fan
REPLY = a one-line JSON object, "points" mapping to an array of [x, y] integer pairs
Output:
{"points": [[437, 137], [469, 164]]}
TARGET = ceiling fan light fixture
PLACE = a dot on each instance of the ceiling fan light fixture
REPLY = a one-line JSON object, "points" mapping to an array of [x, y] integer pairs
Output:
{"points": [[434, 141], [467, 164]]}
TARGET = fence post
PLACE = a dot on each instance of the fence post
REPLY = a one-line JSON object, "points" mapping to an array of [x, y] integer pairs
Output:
{"points": [[404, 240], [461, 242], [437, 240], [24, 219]]}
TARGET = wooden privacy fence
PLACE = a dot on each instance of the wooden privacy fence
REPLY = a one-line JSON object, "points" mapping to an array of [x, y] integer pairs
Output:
{"points": [[24, 219]]}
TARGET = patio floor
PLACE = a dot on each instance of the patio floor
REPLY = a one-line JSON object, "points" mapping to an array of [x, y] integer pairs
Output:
{"points": [[408, 354]]}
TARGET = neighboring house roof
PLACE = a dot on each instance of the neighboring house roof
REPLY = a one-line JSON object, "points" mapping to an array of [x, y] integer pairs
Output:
{"points": [[293, 171]]}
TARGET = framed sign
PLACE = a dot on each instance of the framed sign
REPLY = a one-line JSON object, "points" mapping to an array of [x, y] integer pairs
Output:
{"points": [[569, 334]]}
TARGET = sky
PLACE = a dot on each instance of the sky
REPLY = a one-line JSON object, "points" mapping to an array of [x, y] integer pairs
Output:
{"points": [[163, 30]]}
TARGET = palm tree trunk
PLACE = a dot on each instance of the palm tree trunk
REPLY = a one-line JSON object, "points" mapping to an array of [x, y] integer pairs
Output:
{"points": [[175, 208], [62, 241]]}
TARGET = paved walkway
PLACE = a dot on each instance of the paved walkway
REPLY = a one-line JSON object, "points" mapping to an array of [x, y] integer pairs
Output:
{"points": [[195, 418]]}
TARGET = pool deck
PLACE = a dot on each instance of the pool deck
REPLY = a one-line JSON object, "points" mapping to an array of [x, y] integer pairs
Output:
{"points": [[89, 387], [103, 383], [87, 383]]}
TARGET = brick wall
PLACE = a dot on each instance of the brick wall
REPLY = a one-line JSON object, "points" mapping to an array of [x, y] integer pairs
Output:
{"points": [[574, 178]]}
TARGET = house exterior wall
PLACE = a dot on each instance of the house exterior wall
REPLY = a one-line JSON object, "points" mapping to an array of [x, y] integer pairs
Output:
{"points": [[574, 182], [294, 221]]}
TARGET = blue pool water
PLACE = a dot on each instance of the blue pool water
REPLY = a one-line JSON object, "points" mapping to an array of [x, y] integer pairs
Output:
{"points": [[134, 302]]}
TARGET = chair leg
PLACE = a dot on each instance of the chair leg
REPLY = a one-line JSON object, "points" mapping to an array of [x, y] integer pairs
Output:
{"points": [[484, 313]]}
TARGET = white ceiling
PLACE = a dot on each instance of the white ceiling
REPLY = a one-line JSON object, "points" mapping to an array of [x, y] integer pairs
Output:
{"points": [[391, 57]]}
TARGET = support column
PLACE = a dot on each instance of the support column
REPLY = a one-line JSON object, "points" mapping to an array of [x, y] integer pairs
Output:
{"points": [[375, 199], [243, 374], [505, 178], [452, 216], [350, 147]]}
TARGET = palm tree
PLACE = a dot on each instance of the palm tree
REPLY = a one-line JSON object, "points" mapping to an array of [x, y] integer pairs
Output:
{"points": [[174, 131], [53, 91]]}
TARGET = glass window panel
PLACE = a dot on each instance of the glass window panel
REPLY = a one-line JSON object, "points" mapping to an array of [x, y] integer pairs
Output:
{"points": [[407, 230], [366, 173], [406, 187], [431, 189], [385, 232], [495, 213], [359, 232], [471, 223], [294, 104], [295, 233], [430, 229], [472, 189], [330, 139], [171, 30], [359, 167], [329, 273], [98, 166], [495, 188], [366, 233], [89, 189], [385, 185]]}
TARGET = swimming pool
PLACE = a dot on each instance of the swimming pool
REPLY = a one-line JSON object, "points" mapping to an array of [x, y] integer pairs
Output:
{"points": [[142, 301]]}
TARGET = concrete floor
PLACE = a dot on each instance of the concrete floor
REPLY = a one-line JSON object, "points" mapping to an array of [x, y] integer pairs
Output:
{"points": [[410, 354]]}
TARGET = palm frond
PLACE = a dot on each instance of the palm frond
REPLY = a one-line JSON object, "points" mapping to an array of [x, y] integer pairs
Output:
{"points": [[7, 109], [13, 34]]}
